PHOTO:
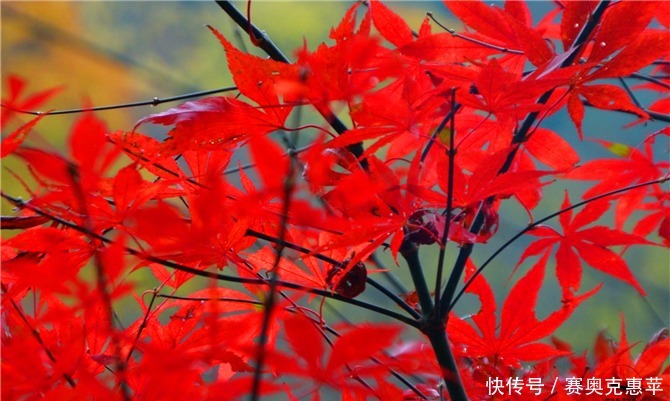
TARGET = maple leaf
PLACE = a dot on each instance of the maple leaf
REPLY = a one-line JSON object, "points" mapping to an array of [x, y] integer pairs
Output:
{"points": [[79, 182], [444, 48], [551, 149], [374, 202], [48, 258], [92, 153], [618, 361], [12, 103], [23, 222], [211, 236], [354, 65], [392, 27], [264, 260], [16, 138], [607, 97], [590, 244], [505, 94], [349, 354], [613, 362], [49, 165], [632, 166], [485, 180], [212, 122], [507, 28], [516, 338], [411, 113], [130, 191], [256, 78], [63, 337], [621, 24], [645, 48], [146, 152]]}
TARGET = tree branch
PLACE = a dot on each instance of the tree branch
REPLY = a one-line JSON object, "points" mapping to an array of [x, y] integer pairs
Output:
{"points": [[411, 255], [265, 43], [401, 303], [153, 102], [519, 137], [37, 336], [203, 273], [451, 153], [540, 221], [473, 40]]}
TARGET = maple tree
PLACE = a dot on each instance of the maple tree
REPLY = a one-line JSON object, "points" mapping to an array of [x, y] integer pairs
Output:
{"points": [[441, 129]]}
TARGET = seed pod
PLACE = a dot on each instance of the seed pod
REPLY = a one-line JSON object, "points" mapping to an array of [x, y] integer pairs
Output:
{"points": [[348, 284]]}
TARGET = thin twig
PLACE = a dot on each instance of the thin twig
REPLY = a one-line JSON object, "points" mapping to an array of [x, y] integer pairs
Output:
{"points": [[654, 80], [519, 137], [289, 184], [455, 107], [143, 325], [630, 92], [266, 44], [398, 301], [153, 102], [102, 284], [207, 274], [37, 336], [451, 153], [473, 40], [540, 221], [388, 274], [654, 115]]}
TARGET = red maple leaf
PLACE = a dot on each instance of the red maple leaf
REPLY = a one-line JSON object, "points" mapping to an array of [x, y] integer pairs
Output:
{"points": [[632, 166], [14, 103], [591, 245], [516, 338], [349, 354]]}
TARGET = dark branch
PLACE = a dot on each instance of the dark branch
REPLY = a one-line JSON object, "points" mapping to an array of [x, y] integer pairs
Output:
{"points": [[475, 41], [451, 153], [519, 137], [218, 276], [265, 43], [540, 221], [153, 102]]}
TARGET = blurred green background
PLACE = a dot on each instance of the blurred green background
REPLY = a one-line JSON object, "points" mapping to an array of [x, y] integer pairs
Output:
{"points": [[116, 52]]}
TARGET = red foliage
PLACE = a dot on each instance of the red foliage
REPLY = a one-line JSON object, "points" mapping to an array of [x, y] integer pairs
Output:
{"points": [[452, 124]]}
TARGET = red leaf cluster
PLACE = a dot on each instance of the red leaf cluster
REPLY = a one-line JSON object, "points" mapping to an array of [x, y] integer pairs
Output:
{"points": [[244, 261]]}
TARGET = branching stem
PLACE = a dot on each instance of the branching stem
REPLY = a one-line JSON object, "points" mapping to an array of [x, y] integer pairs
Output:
{"points": [[102, 284], [473, 40], [411, 256], [265, 43], [542, 220], [451, 154], [153, 102], [218, 276], [520, 136], [37, 336]]}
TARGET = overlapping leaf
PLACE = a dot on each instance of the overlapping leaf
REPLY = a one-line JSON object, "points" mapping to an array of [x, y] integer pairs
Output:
{"points": [[591, 245], [517, 337]]}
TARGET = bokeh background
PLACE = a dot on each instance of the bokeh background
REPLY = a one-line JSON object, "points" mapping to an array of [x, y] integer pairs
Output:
{"points": [[116, 52]]}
